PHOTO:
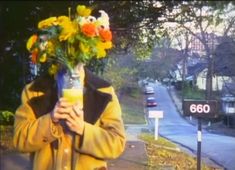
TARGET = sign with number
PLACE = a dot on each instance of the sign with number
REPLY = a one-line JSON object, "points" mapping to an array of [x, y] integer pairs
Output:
{"points": [[200, 108]]}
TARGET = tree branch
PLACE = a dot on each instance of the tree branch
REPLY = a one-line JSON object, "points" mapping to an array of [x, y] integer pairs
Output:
{"points": [[231, 23]]}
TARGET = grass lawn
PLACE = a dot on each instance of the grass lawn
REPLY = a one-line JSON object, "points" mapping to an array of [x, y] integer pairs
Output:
{"points": [[132, 108], [163, 154]]}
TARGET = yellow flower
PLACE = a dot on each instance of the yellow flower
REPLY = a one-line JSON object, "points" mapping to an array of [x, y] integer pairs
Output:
{"points": [[47, 22], [104, 45], [50, 48], [43, 58], [68, 28], [100, 50], [101, 53], [83, 11], [62, 19], [101, 46], [31, 41], [107, 45]]}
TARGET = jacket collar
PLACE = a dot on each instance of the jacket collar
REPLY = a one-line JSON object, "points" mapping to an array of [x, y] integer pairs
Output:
{"points": [[95, 101], [94, 81]]}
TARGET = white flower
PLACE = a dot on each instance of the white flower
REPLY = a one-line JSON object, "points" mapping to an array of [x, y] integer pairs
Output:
{"points": [[43, 45], [89, 19], [103, 20]]}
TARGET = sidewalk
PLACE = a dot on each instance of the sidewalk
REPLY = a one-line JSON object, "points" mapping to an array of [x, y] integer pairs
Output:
{"points": [[133, 158], [14, 161]]}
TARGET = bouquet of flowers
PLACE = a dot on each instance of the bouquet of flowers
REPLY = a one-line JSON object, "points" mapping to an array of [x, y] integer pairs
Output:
{"points": [[69, 40]]}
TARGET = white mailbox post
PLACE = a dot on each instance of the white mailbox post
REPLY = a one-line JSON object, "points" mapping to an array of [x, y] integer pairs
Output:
{"points": [[156, 115]]}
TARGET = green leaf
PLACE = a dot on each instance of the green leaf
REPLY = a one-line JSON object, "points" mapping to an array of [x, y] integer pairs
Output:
{"points": [[51, 32]]}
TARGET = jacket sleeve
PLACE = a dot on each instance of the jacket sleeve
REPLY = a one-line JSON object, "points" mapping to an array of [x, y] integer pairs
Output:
{"points": [[31, 134], [106, 140]]}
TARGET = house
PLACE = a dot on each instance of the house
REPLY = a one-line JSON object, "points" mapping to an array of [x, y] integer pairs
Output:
{"points": [[218, 80], [228, 98], [228, 104], [222, 73], [193, 67], [196, 45], [196, 75], [194, 72], [175, 75]]}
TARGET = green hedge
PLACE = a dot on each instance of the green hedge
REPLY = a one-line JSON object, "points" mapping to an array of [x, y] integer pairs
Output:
{"points": [[6, 117]]}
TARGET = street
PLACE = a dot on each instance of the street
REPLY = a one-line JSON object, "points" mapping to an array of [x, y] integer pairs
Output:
{"points": [[172, 126]]}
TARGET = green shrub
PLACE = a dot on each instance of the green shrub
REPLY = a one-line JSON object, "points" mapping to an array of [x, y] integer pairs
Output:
{"points": [[6, 117], [193, 92]]}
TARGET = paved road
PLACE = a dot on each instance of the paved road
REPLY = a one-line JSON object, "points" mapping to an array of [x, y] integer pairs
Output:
{"points": [[219, 148]]}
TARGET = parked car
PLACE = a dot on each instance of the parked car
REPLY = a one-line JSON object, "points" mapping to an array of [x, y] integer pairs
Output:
{"points": [[146, 83], [151, 102], [149, 90]]}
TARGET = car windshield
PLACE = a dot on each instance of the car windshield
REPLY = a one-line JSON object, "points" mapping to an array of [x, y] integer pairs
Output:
{"points": [[151, 99]]}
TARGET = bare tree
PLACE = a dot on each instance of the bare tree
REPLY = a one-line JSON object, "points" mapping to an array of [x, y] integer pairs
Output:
{"points": [[199, 19]]}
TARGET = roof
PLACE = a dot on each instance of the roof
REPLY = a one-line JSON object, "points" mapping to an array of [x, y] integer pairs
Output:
{"points": [[196, 69], [224, 63]]}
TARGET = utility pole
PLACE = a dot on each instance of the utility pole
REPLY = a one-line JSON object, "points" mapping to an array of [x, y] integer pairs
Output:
{"points": [[209, 78], [185, 55], [209, 47]]}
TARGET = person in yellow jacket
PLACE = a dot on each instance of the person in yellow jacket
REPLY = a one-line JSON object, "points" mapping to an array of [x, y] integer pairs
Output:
{"points": [[96, 132]]}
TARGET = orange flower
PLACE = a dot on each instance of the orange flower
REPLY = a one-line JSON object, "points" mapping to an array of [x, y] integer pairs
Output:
{"points": [[34, 56], [89, 29], [105, 35]]}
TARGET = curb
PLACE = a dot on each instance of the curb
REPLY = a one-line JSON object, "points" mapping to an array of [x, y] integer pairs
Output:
{"points": [[179, 110]]}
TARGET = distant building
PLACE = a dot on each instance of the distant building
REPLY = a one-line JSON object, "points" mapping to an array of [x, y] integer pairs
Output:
{"points": [[217, 80], [228, 103], [194, 71], [196, 45]]}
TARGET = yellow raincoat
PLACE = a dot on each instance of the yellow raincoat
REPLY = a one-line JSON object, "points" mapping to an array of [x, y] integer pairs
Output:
{"points": [[50, 147]]}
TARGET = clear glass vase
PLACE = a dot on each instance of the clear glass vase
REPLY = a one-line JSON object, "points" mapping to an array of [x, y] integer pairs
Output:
{"points": [[70, 87]]}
